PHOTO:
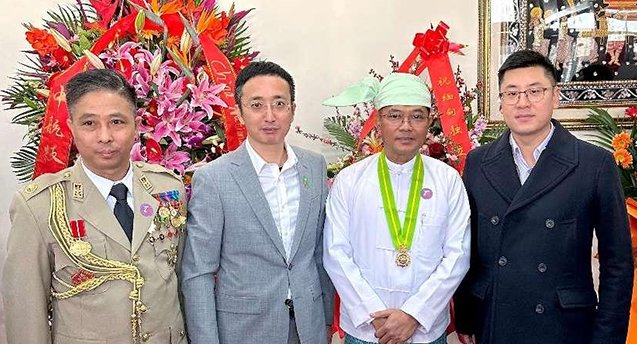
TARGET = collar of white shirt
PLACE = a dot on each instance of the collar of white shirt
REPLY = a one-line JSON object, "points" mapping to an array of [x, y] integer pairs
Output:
{"points": [[538, 150], [259, 163], [104, 185], [398, 168]]}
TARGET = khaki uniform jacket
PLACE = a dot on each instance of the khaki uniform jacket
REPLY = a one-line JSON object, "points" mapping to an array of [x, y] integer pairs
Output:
{"points": [[36, 265]]}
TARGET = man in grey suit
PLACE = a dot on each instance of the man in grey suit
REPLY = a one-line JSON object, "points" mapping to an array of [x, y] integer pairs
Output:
{"points": [[256, 222]]}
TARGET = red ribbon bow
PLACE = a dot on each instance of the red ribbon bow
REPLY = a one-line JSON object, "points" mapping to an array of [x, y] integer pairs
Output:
{"points": [[433, 41]]}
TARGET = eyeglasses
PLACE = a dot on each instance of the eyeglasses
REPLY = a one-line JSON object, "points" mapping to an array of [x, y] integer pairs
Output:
{"points": [[258, 106], [534, 95], [397, 118]]}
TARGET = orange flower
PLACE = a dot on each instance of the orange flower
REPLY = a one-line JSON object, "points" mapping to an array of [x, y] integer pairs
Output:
{"points": [[42, 41], [167, 8], [372, 145], [623, 158], [213, 26], [621, 141]]}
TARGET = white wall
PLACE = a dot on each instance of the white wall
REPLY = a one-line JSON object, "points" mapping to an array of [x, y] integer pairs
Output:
{"points": [[325, 45]]}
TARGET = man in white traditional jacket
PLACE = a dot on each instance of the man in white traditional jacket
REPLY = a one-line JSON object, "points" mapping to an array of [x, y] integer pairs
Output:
{"points": [[397, 233]]}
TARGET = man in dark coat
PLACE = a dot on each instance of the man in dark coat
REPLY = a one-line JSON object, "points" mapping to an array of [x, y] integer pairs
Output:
{"points": [[536, 195]]}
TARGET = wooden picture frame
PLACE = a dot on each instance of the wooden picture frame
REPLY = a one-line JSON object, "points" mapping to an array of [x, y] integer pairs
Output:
{"points": [[592, 43]]}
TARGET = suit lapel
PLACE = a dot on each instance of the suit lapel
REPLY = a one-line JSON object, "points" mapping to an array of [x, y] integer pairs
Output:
{"points": [[308, 184], [499, 169], [94, 209], [556, 162], [141, 222], [243, 173]]}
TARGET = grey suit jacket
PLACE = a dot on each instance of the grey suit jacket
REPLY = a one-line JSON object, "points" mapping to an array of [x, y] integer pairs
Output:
{"points": [[232, 234]]}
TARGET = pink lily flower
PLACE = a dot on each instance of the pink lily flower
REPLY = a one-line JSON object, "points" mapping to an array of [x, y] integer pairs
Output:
{"points": [[205, 95]]}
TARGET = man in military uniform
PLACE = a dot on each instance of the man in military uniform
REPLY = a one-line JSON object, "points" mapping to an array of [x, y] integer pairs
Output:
{"points": [[96, 245]]}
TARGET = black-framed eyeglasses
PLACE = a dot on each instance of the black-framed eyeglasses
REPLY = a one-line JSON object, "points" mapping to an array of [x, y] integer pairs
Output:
{"points": [[260, 106], [533, 94], [397, 118]]}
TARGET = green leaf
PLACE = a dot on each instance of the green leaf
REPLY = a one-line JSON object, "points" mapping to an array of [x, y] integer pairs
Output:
{"points": [[23, 162], [336, 127]]}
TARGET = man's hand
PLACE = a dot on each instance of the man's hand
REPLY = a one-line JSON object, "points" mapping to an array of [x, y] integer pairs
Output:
{"points": [[378, 323], [466, 338], [398, 327]]}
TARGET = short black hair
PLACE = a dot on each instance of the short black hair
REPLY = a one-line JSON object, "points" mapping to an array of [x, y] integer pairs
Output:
{"points": [[527, 58], [98, 80], [261, 68]]}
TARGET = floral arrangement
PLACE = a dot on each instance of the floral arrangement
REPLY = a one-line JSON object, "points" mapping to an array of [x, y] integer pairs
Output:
{"points": [[622, 143], [345, 129], [161, 55]]}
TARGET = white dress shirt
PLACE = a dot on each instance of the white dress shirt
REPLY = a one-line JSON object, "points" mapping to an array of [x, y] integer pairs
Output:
{"points": [[524, 171], [359, 254], [282, 190], [104, 186]]}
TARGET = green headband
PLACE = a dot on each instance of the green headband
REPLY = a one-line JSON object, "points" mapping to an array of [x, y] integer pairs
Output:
{"points": [[395, 89]]}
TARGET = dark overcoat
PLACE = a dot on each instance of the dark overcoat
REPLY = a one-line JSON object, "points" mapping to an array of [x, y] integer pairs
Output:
{"points": [[530, 279]]}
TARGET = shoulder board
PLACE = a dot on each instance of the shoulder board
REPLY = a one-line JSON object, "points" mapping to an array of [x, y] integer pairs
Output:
{"points": [[146, 167], [43, 182]]}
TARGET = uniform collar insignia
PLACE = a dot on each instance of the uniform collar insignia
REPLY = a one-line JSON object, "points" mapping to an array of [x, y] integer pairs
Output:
{"points": [[145, 183], [78, 191]]}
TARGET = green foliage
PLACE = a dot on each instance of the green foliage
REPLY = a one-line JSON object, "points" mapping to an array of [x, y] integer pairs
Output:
{"points": [[336, 126], [23, 162]]}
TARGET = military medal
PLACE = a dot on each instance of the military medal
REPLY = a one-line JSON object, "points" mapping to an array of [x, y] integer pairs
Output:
{"points": [[77, 228], [170, 218], [82, 276], [80, 248], [402, 258], [401, 236]]}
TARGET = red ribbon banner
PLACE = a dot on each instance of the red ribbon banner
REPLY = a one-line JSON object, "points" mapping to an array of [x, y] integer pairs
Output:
{"points": [[223, 73]]}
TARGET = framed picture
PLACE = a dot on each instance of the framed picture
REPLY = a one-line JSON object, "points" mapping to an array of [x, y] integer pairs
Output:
{"points": [[591, 43]]}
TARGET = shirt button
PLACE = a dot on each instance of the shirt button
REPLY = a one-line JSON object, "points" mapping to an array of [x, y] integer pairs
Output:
{"points": [[136, 258], [549, 223], [495, 220], [539, 308], [541, 267], [145, 337], [503, 261], [290, 266]]}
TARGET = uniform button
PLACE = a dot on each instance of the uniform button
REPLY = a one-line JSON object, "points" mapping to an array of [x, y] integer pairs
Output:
{"points": [[145, 337], [290, 266], [136, 258], [549, 223], [541, 267], [503, 261], [182, 333], [495, 220], [539, 308]]}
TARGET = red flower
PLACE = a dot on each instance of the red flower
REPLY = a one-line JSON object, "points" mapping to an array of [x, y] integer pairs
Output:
{"points": [[631, 113], [153, 151], [63, 58], [125, 68], [239, 63], [42, 41], [436, 150]]}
